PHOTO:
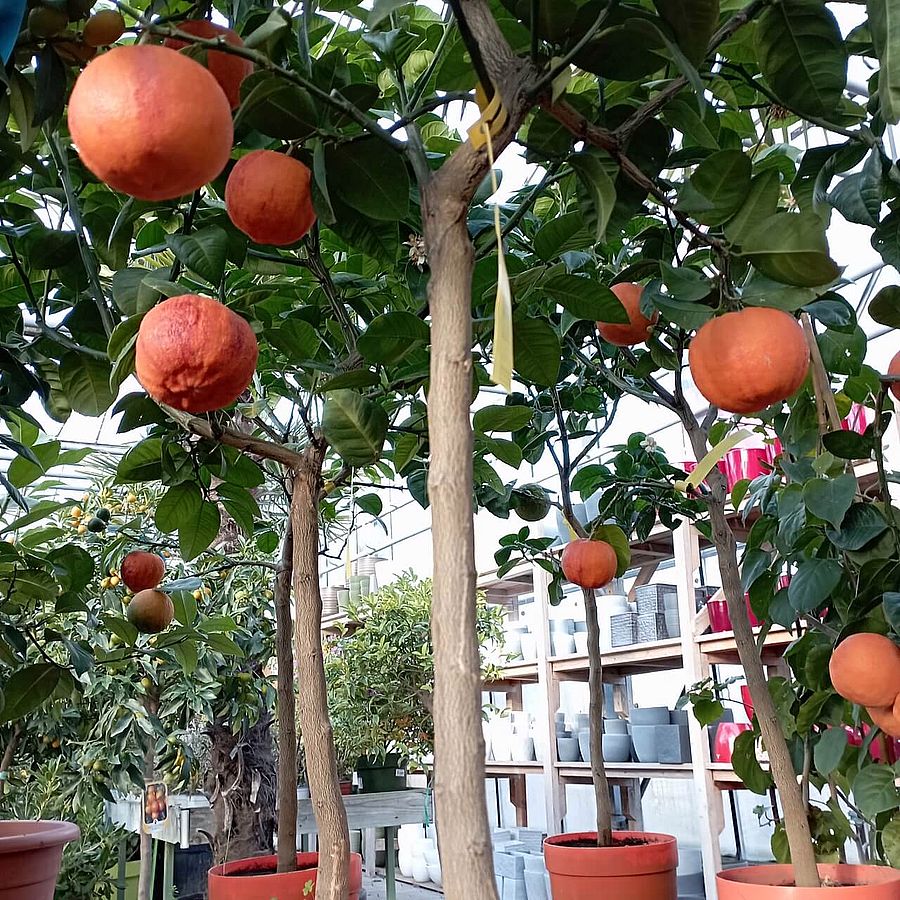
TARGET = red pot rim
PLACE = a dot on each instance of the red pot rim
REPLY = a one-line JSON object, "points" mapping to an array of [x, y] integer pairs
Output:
{"points": [[659, 854], [775, 876], [22, 835], [305, 861]]}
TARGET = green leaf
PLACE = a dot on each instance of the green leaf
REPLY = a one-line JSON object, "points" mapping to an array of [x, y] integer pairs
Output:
{"points": [[295, 338], [848, 444], [586, 299], [240, 504], [692, 22], [718, 187], [830, 750], [862, 524], [50, 84], [684, 283], [874, 790], [196, 535], [221, 643], [29, 584], [371, 177], [85, 382], [842, 353], [890, 840], [755, 563], [802, 56], [185, 607], [180, 504], [354, 426], [792, 249], [186, 654], [596, 189], [391, 336], [746, 765], [884, 25], [618, 540], [143, 462], [381, 9], [27, 688], [43, 457], [406, 446], [559, 235], [276, 108], [370, 503], [830, 498], [813, 583], [536, 351], [204, 252], [891, 602], [501, 418], [41, 510], [858, 197], [355, 378], [760, 203], [884, 307]]}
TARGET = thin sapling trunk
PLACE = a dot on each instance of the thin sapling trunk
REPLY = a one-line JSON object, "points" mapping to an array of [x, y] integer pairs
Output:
{"points": [[315, 723]]}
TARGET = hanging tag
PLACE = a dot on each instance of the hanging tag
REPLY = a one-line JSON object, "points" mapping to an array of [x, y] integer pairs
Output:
{"points": [[493, 115], [705, 466]]}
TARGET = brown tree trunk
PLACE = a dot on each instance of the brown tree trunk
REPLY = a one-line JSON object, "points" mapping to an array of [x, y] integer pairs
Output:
{"points": [[287, 716], [9, 754], [241, 785], [459, 741], [595, 710], [796, 823], [315, 723]]}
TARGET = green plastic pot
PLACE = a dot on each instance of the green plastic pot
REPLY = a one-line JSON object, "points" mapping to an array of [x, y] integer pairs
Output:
{"points": [[381, 774]]}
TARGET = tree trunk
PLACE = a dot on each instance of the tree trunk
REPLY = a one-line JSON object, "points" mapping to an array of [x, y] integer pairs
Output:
{"points": [[796, 822], [145, 870], [459, 740], [287, 714], [315, 723], [8, 756], [595, 709], [241, 784]]}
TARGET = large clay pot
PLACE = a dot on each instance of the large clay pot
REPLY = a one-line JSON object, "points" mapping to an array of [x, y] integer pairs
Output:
{"points": [[255, 879], [775, 883], [30, 856], [623, 872]]}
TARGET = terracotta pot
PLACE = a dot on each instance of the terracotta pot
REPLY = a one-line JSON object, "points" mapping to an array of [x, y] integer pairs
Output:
{"points": [[640, 872], [347, 788], [726, 735], [256, 879], [30, 856], [770, 883]]}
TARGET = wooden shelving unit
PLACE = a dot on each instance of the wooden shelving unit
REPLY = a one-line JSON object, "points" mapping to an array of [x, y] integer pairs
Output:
{"points": [[693, 653]]}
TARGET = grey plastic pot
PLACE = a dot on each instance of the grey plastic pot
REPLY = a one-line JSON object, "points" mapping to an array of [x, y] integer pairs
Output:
{"points": [[673, 744], [643, 739], [616, 748], [615, 726], [567, 749], [584, 745], [649, 715]]}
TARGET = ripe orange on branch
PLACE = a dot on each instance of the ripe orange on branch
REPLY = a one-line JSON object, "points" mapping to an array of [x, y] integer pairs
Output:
{"points": [[229, 70], [268, 197], [886, 718], [638, 328], [744, 361], [150, 122], [865, 669], [142, 570], [151, 611], [103, 28], [589, 564], [195, 354]]}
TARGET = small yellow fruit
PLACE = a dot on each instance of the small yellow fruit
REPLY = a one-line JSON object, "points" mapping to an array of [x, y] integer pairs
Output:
{"points": [[105, 583], [46, 739], [207, 590], [97, 766], [82, 529], [245, 677], [76, 512], [197, 595], [55, 744], [114, 581], [146, 683], [131, 498], [269, 595]]}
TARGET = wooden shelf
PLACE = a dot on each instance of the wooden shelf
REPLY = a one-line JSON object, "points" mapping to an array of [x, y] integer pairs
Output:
{"points": [[581, 772], [652, 656], [514, 673], [334, 623], [725, 778], [720, 649], [493, 768]]}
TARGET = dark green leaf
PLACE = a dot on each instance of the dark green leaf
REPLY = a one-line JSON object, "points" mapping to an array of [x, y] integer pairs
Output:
{"points": [[874, 790], [863, 523], [391, 336], [884, 26], [50, 86], [596, 189], [204, 252], [240, 504], [746, 765], [792, 249], [848, 444], [813, 583], [354, 426], [718, 187], [586, 299], [830, 750], [891, 602], [370, 177], [760, 203], [179, 505], [198, 533], [276, 108], [85, 381], [185, 607], [502, 418], [536, 351], [27, 688], [884, 307], [830, 498], [143, 462]]}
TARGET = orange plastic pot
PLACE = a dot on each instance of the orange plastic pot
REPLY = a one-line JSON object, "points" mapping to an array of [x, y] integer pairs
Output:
{"points": [[30, 856], [776, 883], [256, 879], [621, 872]]}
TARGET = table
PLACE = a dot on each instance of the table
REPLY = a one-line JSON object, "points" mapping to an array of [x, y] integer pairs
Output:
{"points": [[366, 812]]}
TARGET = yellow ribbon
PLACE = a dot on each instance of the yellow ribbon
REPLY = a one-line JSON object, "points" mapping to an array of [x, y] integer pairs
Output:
{"points": [[705, 466], [493, 114]]}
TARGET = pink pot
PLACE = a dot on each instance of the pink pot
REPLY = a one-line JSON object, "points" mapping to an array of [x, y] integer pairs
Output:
{"points": [[747, 701], [30, 856], [719, 618], [857, 420], [690, 465], [726, 735], [746, 462]]}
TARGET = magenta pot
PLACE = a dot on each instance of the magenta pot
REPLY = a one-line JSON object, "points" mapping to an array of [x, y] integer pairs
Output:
{"points": [[30, 857]]}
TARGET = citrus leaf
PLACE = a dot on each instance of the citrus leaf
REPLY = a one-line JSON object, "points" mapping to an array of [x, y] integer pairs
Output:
{"points": [[240, 504], [85, 382], [884, 307], [830, 750], [355, 426], [179, 505], [692, 22], [143, 462], [884, 26], [792, 249], [813, 583], [830, 498], [618, 540], [760, 203], [27, 688], [501, 418], [596, 189], [204, 252], [586, 299], [392, 336], [874, 790], [536, 351], [371, 177], [718, 187], [196, 535]]}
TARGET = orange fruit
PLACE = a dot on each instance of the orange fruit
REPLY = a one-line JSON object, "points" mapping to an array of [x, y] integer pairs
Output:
{"points": [[744, 361], [103, 28], [141, 570], [865, 669], [589, 564], [268, 197], [638, 328], [151, 611], [886, 719], [894, 369], [195, 354], [227, 69], [150, 122]]}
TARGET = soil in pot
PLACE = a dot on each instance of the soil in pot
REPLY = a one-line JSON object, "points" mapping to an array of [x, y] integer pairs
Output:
{"points": [[30, 856], [841, 882], [257, 879], [639, 866]]}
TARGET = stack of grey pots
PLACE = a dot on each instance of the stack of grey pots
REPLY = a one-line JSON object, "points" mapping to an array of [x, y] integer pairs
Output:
{"points": [[652, 602], [567, 749], [660, 735], [562, 637]]}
